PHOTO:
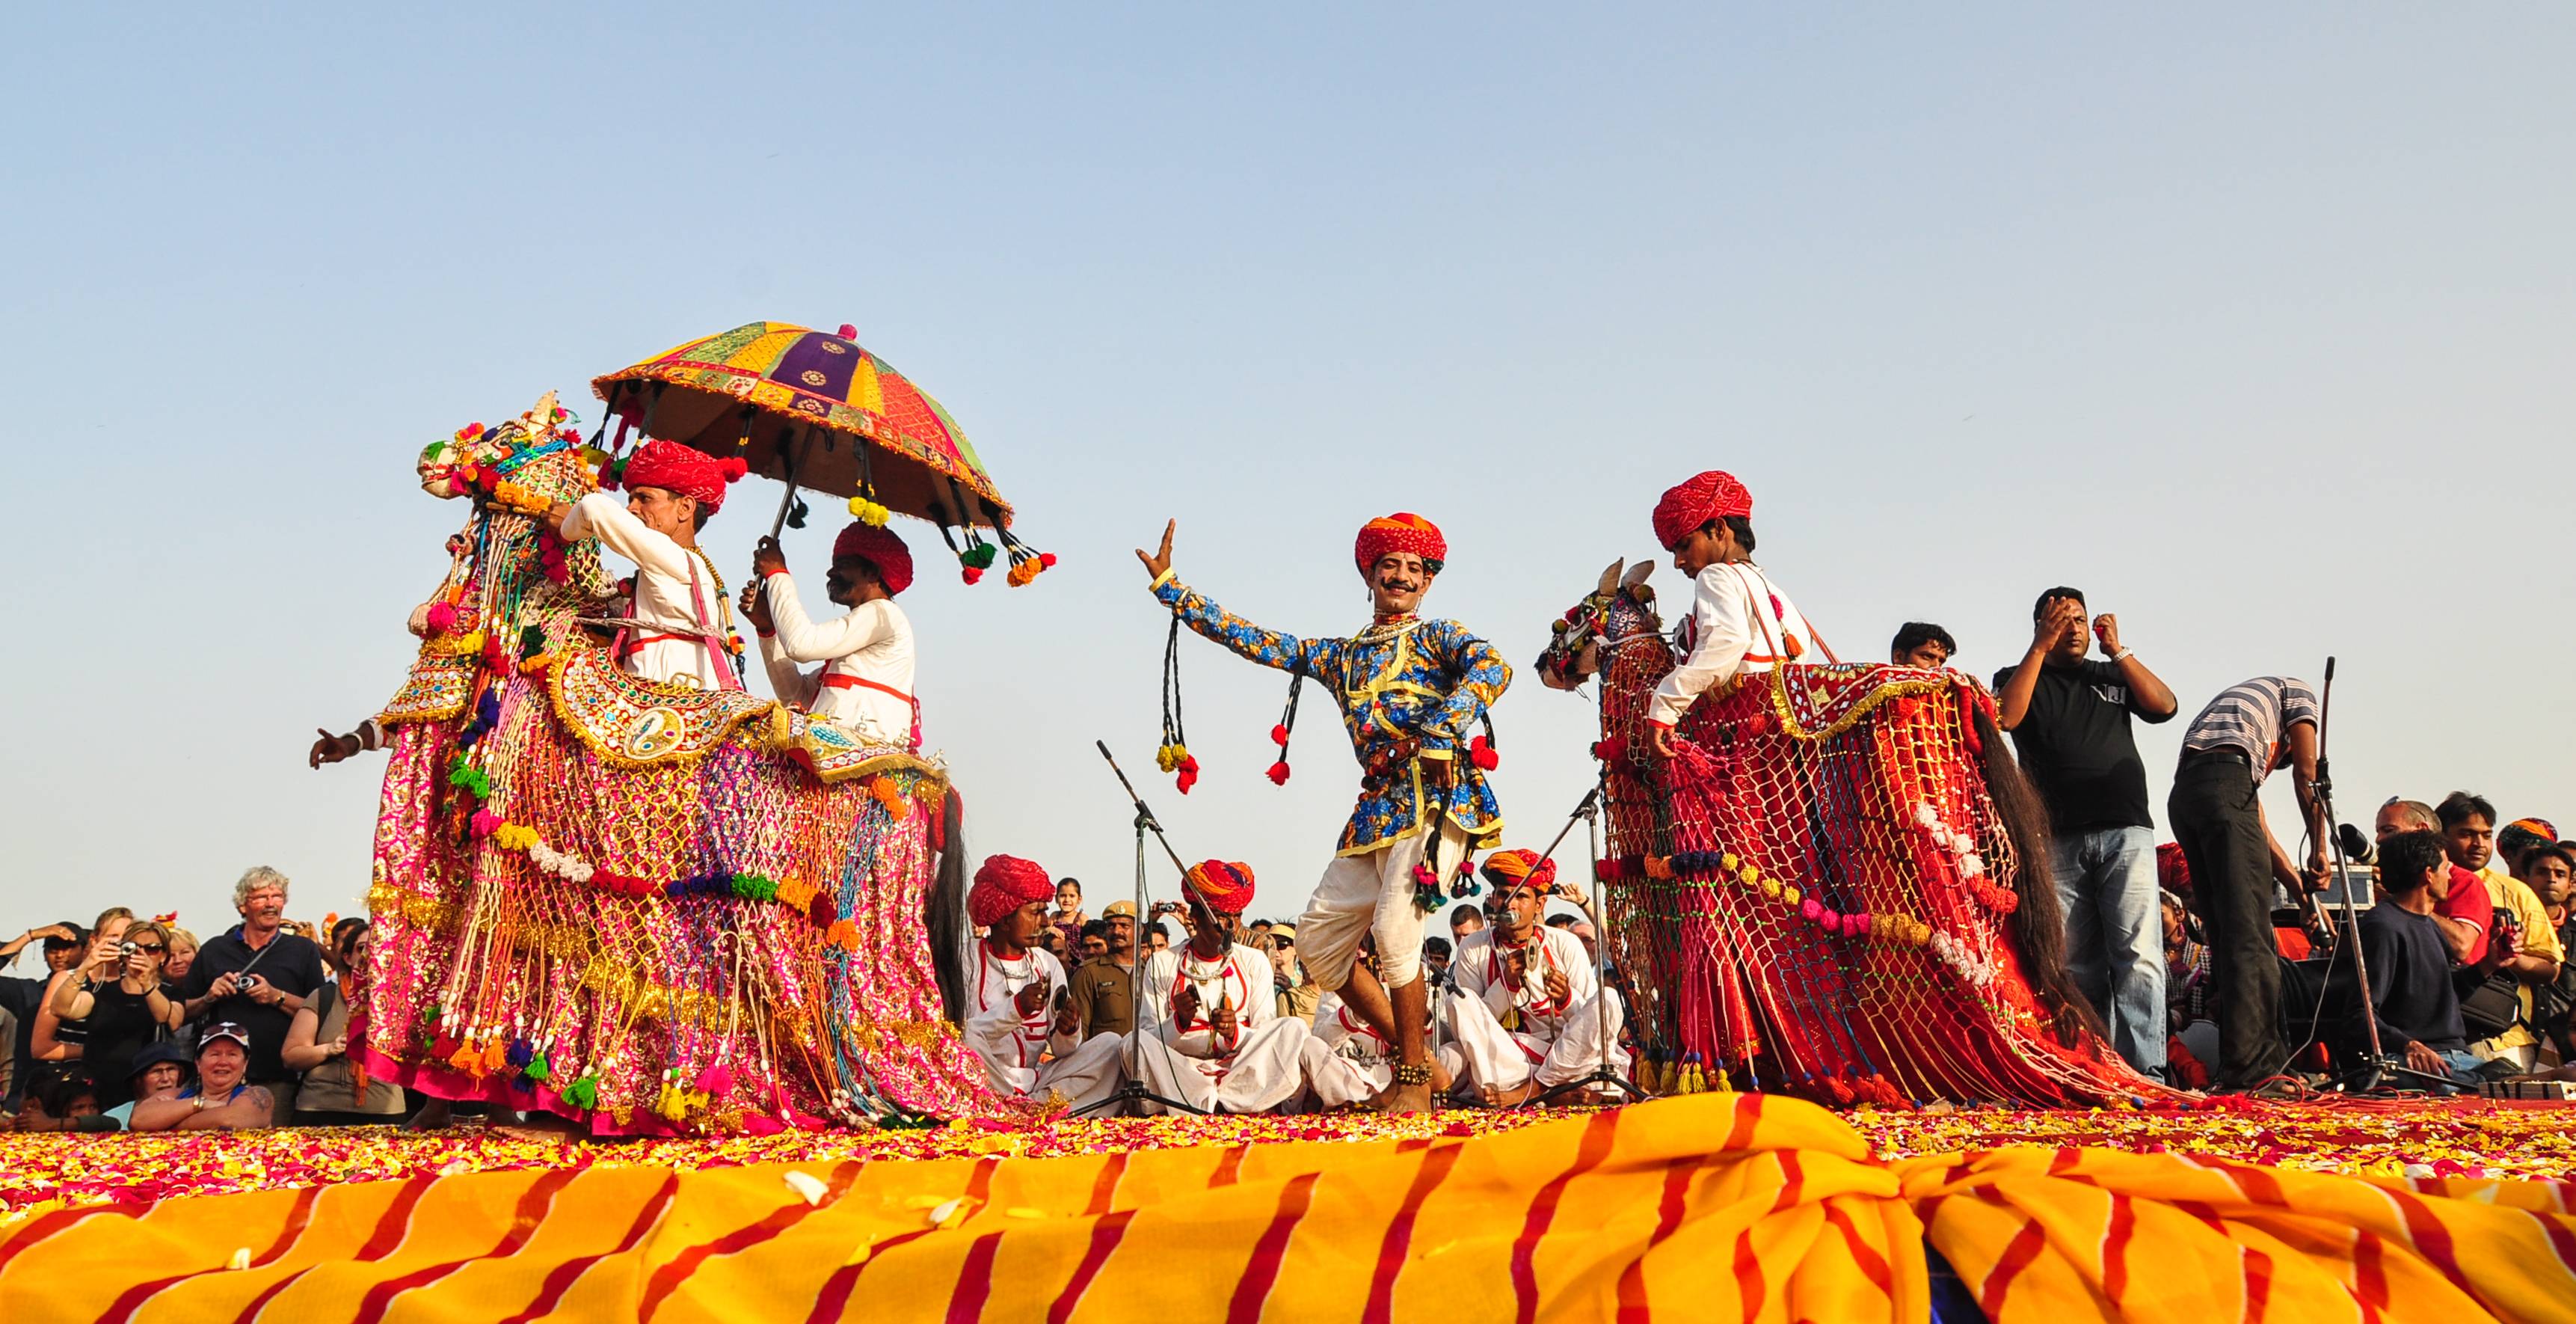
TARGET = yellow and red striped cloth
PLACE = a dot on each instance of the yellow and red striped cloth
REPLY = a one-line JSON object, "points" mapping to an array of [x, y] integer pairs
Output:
{"points": [[1708, 1206]]}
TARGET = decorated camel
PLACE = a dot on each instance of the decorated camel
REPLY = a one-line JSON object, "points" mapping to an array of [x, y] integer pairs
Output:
{"points": [[652, 909], [1837, 887]]}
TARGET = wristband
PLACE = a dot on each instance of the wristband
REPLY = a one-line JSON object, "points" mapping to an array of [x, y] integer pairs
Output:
{"points": [[2122, 655]]}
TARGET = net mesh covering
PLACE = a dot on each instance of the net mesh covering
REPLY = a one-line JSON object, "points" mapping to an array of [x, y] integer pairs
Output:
{"points": [[1821, 895]]}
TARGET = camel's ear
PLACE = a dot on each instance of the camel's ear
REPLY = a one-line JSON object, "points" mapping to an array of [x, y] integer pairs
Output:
{"points": [[1610, 577], [1638, 573]]}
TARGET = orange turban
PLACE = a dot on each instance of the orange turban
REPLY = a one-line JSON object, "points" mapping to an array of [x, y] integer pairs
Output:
{"points": [[1227, 888], [1506, 869]]}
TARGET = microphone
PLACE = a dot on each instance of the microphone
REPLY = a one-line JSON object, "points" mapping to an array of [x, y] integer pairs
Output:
{"points": [[2357, 848]]}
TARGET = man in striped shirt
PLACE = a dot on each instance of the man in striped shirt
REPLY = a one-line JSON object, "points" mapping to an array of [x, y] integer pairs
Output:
{"points": [[2247, 731]]}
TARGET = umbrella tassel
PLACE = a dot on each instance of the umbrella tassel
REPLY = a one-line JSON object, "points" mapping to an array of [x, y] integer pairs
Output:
{"points": [[1027, 562], [865, 508]]}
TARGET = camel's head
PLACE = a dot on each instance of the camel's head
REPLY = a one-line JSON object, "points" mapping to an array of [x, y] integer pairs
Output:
{"points": [[1620, 608]]}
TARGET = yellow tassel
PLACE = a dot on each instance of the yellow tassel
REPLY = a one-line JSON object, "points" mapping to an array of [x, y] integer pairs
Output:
{"points": [[496, 1053]]}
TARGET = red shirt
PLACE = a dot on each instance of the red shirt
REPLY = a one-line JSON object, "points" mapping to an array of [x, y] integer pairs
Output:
{"points": [[2469, 903]]}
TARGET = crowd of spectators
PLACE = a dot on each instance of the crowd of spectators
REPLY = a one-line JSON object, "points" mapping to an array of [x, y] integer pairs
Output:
{"points": [[134, 1024], [2205, 958]]}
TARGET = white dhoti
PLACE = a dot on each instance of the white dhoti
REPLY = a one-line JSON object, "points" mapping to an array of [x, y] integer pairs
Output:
{"points": [[1372, 892], [1551, 1052], [1340, 1080], [1084, 1076], [1265, 1069]]}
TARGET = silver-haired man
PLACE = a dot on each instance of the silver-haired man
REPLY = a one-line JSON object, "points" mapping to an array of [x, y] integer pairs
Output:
{"points": [[256, 975]]}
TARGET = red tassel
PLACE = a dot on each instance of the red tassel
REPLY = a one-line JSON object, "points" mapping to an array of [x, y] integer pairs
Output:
{"points": [[1046, 560], [973, 573], [1609, 748], [1279, 773], [1279, 736], [1481, 752]]}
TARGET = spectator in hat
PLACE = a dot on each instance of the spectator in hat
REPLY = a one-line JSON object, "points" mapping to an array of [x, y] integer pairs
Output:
{"points": [[221, 1100], [1298, 995], [1104, 989], [1922, 644], [160, 1071]]}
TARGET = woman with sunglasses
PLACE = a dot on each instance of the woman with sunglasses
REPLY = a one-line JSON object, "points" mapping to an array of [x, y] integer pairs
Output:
{"points": [[118, 995]]}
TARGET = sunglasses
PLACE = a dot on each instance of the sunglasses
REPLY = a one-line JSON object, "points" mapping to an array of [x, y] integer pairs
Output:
{"points": [[153, 947]]}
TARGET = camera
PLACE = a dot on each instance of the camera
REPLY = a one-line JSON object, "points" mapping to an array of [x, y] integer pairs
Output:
{"points": [[128, 948]]}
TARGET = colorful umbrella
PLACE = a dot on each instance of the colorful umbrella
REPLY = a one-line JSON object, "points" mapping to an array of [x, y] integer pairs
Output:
{"points": [[815, 410]]}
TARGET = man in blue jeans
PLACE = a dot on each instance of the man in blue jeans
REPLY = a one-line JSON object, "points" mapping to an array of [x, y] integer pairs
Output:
{"points": [[2069, 718]]}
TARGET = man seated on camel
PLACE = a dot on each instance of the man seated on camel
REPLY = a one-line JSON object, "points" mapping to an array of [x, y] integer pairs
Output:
{"points": [[1017, 1006], [1222, 1045], [865, 683], [1348, 1063], [1530, 1011], [678, 629], [1740, 621], [676, 601]]}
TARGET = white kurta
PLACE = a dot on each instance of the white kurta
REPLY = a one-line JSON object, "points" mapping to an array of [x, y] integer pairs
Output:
{"points": [[873, 643], [1256, 1070], [1739, 622], [1347, 1063], [676, 594], [1013, 1046], [1511, 1032]]}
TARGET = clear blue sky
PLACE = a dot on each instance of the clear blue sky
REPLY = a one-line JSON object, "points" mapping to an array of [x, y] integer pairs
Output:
{"points": [[2255, 325]]}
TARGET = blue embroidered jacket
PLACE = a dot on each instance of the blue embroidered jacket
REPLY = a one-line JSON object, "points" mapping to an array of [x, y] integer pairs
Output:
{"points": [[1427, 680]]}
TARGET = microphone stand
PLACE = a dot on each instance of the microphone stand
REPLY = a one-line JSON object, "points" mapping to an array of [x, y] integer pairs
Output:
{"points": [[2379, 1064], [1131, 1085], [1588, 812]]}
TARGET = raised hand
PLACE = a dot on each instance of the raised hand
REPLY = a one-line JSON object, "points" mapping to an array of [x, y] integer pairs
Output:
{"points": [[1031, 999], [2106, 628], [767, 559], [1161, 561]]}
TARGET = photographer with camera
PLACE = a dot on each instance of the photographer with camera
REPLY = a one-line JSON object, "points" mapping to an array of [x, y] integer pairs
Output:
{"points": [[256, 977], [118, 998]]}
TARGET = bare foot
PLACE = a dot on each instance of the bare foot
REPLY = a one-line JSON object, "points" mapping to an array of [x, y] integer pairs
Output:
{"points": [[1512, 1097], [1398, 1099]]}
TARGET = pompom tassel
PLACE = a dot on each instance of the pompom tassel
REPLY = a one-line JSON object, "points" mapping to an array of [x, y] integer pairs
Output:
{"points": [[1279, 773]]}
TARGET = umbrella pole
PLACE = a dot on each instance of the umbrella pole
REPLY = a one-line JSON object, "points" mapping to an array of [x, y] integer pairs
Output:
{"points": [[788, 501]]}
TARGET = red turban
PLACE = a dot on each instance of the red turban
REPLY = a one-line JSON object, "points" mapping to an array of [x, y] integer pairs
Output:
{"points": [[1401, 532], [1712, 495], [1004, 884], [1227, 888], [682, 470], [879, 548], [1506, 869]]}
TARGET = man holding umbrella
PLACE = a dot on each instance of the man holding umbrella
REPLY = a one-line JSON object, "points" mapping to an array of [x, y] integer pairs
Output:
{"points": [[865, 682]]}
